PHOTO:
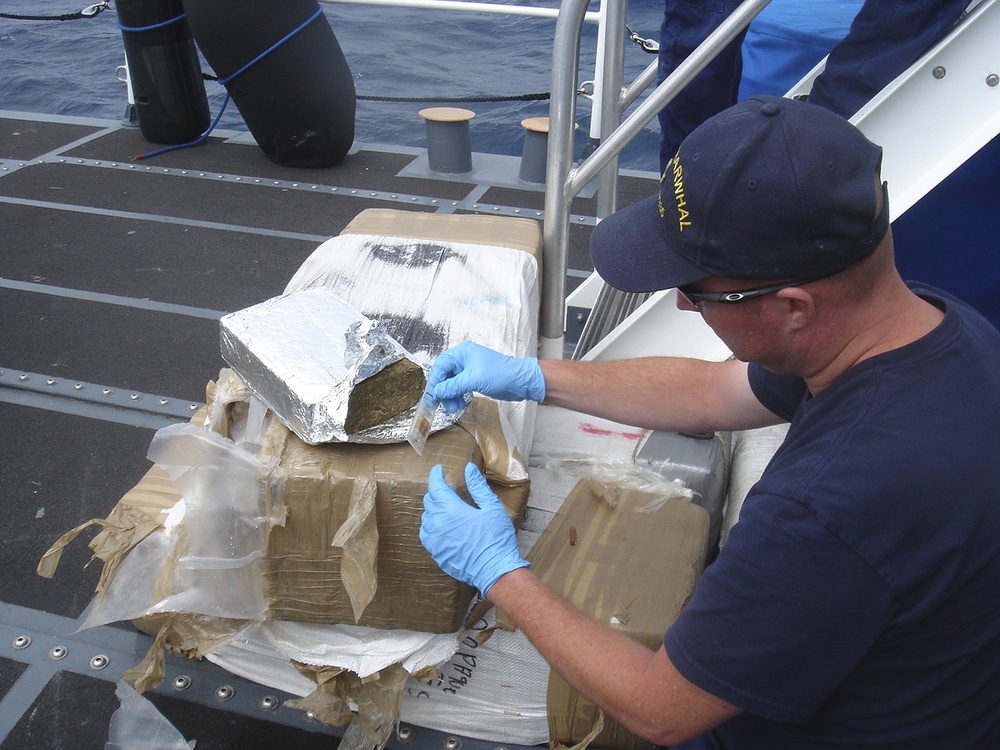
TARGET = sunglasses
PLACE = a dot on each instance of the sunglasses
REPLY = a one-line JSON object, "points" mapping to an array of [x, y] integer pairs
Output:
{"points": [[732, 298]]}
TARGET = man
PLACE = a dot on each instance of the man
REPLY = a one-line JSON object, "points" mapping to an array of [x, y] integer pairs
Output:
{"points": [[856, 602], [885, 38]]}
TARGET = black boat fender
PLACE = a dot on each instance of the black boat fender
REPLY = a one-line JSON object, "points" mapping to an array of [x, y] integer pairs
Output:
{"points": [[164, 72], [283, 67]]}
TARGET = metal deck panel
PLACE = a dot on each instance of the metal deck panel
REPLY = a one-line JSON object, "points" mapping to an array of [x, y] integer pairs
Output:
{"points": [[111, 277]]}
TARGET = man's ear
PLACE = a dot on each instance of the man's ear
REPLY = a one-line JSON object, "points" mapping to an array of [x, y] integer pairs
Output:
{"points": [[800, 306]]}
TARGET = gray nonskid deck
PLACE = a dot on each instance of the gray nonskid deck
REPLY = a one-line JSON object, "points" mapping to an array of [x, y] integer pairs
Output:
{"points": [[113, 275]]}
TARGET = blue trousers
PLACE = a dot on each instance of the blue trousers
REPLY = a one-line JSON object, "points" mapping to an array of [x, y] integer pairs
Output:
{"points": [[884, 39]]}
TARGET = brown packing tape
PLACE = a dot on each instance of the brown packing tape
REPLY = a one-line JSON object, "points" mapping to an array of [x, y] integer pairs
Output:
{"points": [[304, 576], [377, 699], [631, 569]]}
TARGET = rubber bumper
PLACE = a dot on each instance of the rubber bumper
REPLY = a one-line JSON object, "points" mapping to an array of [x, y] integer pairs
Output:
{"points": [[164, 71], [298, 100]]}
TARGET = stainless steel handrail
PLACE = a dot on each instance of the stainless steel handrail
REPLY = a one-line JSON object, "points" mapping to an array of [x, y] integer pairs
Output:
{"points": [[564, 182]]}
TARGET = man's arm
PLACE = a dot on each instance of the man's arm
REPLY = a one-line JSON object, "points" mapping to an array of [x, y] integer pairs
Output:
{"points": [[673, 394], [639, 688], [661, 393]]}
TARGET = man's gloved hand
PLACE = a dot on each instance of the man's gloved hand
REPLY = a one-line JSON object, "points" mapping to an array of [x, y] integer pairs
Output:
{"points": [[474, 545], [470, 367]]}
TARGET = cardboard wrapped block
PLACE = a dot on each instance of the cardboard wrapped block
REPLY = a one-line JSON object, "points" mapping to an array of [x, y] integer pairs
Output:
{"points": [[367, 500], [632, 566], [334, 528]]}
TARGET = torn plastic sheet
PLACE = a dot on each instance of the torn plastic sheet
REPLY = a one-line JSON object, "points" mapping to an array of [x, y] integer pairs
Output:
{"points": [[608, 479], [137, 725], [329, 373], [491, 688]]}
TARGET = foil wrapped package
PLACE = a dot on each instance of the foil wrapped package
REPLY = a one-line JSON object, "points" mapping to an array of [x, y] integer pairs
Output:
{"points": [[329, 373]]}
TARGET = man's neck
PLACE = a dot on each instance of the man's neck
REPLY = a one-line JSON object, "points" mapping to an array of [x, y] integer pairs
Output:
{"points": [[887, 323]]}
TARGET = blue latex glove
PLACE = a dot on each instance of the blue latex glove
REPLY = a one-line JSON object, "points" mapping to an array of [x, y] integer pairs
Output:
{"points": [[470, 367], [474, 545]]}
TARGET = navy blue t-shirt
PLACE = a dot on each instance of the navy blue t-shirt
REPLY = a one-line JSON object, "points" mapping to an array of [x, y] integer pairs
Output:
{"points": [[857, 600]]}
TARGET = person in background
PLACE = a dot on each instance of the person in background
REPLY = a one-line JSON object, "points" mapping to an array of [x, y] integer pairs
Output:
{"points": [[884, 39], [856, 602]]}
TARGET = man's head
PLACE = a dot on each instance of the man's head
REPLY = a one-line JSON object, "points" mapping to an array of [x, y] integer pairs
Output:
{"points": [[770, 189]]}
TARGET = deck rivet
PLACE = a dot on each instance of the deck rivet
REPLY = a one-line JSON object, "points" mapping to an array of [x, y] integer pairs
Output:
{"points": [[164, 402], [453, 743], [193, 407], [405, 734], [22, 642], [939, 72], [992, 79], [224, 692], [106, 391], [78, 386], [268, 703], [51, 381], [181, 682], [99, 662], [58, 652], [134, 396], [24, 377]]}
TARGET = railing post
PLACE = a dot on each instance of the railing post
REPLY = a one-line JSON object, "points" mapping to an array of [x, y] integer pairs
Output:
{"points": [[559, 162]]}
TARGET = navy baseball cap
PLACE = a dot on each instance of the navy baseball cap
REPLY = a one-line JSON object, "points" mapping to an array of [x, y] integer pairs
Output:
{"points": [[770, 189]]}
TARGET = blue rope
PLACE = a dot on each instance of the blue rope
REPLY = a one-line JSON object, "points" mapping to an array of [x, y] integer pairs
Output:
{"points": [[160, 25], [224, 81], [200, 139], [269, 50]]}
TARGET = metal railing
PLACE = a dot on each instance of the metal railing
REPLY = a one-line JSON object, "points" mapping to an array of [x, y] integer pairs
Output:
{"points": [[564, 182]]}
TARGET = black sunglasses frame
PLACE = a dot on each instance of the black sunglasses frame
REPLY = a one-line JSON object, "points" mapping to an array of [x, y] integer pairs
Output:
{"points": [[732, 298]]}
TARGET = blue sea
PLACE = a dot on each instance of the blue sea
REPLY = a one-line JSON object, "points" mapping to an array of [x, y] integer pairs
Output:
{"points": [[68, 68]]}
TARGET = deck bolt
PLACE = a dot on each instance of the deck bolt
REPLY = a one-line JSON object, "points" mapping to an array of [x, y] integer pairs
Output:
{"points": [[193, 407], [106, 391], [224, 692], [134, 396], [268, 703], [51, 381], [78, 386], [939, 72], [22, 642], [164, 402], [24, 377], [405, 734], [99, 662], [992, 79], [58, 652], [181, 682], [453, 743]]}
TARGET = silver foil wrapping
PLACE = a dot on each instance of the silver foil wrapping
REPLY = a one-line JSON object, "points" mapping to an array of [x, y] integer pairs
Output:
{"points": [[303, 353]]}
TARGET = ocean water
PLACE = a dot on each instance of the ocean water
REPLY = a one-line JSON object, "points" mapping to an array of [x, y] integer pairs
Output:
{"points": [[69, 68]]}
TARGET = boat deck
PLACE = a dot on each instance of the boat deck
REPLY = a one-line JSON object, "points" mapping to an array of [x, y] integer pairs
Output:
{"points": [[113, 276]]}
